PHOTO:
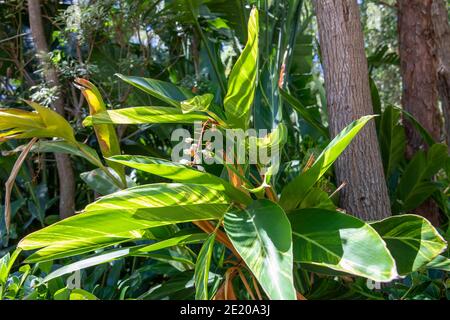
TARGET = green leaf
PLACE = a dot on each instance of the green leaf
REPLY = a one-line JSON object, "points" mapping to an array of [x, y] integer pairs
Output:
{"points": [[392, 139], [179, 287], [181, 173], [296, 190], [439, 263], [130, 210], [55, 125], [415, 185], [6, 263], [106, 133], [57, 251], [43, 123], [100, 182], [412, 240], [317, 198], [115, 254], [139, 115], [303, 112], [261, 234], [60, 146], [164, 91], [197, 103], [80, 294], [242, 80], [202, 266], [326, 239], [422, 131]]}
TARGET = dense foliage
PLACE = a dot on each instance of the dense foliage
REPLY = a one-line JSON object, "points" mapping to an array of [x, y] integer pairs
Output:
{"points": [[152, 228]]}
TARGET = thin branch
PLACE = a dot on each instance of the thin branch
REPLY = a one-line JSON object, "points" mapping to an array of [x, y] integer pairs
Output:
{"points": [[10, 182]]}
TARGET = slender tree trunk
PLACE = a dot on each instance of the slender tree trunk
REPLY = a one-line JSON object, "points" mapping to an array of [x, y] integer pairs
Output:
{"points": [[418, 66], [63, 163], [348, 97], [439, 16]]}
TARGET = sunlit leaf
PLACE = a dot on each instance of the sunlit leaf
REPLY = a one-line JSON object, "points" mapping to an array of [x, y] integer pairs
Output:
{"points": [[180, 173], [261, 234], [242, 80], [106, 133], [294, 192], [139, 115], [411, 239], [202, 266], [130, 210], [332, 240]]}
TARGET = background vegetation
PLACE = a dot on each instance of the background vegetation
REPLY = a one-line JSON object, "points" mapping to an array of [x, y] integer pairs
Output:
{"points": [[90, 56]]}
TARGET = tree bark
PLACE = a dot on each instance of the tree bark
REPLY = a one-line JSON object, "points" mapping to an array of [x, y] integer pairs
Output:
{"points": [[418, 67], [348, 97], [63, 163], [439, 16]]}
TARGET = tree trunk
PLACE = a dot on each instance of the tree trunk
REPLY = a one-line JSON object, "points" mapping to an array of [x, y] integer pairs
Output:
{"points": [[418, 66], [439, 16], [63, 163], [348, 97]]}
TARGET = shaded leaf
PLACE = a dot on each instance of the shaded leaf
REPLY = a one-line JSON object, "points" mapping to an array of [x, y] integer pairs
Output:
{"points": [[164, 91]]}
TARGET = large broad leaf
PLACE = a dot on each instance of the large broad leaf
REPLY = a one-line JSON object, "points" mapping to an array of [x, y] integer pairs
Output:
{"points": [[139, 115], [242, 80], [261, 234], [58, 251], [392, 139], [130, 210], [124, 252], [339, 242], [164, 91], [416, 185], [180, 173], [412, 240], [106, 133], [294, 192], [202, 266]]}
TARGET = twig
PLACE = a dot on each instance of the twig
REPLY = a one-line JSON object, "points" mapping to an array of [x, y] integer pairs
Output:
{"points": [[10, 182]]}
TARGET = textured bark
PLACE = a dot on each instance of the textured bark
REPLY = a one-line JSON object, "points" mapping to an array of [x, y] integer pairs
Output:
{"points": [[418, 66], [348, 98], [63, 163], [439, 16]]}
